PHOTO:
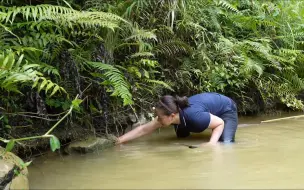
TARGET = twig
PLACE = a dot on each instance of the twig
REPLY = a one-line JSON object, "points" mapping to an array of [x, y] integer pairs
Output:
{"points": [[32, 116], [52, 115], [134, 112], [283, 118], [34, 137], [85, 89]]}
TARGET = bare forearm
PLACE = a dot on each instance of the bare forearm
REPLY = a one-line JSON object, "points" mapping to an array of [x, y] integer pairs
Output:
{"points": [[139, 131], [216, 133], [135, 133]]}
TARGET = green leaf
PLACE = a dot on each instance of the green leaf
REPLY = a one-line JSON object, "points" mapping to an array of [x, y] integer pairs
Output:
{"points": [[26, 164], [11, 61], [54, 143], [10, 146], [35, 83], [42, 85], [50, 85], [19, 61], [8, 126], [76, 103], [146, 74], [55, 90], [5, 62]]}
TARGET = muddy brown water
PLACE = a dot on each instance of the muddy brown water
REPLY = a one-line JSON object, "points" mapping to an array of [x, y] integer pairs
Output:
{"points": [[267, 155]]}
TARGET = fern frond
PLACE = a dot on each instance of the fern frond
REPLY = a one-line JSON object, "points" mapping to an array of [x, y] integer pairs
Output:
{"points": [[148, 62], [137, 5], [55, 51], [142, 54], [41, 40], [164, 33], [49, 69], [226, 5], [116, 79], [172, 48], [44, 84], [39, 12], [250, 65], [135, 71], [62, 15], [14, 72], [162, 83], [9, 31], [295, 83], [86, 34], [285, 52], [141, 34], [298, 35], [95, 20]]}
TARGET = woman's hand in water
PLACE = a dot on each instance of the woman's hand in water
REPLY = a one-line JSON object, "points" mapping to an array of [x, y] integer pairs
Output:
{"points": [[208, 144], [113, 139]]}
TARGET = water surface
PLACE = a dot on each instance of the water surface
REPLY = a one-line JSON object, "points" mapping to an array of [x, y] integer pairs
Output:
{"points": [[264, 156]]}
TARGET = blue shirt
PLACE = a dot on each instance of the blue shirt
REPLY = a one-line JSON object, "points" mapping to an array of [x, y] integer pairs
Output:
{"points": [[196, 117]]}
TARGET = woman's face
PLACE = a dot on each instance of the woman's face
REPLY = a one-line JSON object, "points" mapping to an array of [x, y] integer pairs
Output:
{"points": [[165, 120]]}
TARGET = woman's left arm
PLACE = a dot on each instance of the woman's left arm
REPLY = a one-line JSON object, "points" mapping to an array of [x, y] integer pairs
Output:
{"points": [[217, 126]]}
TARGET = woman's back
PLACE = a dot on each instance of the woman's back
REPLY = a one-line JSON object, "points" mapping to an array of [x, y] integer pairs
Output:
{"points": [[212, 102]]}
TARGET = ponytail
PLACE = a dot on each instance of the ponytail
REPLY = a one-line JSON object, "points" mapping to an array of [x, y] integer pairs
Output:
{"points": [[182, 102]]}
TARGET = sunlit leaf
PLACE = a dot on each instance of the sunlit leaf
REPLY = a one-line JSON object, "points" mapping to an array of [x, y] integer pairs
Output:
{"points": [[10, 146], [54, 143]]}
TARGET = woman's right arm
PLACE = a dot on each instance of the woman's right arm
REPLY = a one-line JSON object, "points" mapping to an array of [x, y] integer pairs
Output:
{"points": [[139, 131]]}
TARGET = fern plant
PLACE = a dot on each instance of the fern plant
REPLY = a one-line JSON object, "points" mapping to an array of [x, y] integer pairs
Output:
{"points": [[115, 80], [14, 70]]}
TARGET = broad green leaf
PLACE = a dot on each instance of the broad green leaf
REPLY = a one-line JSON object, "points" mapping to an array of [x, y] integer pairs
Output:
{"points": [[54, 143], [26, 67], [10, 146], [76, 103], [11, 61], [5, 62], [19, 61], [146, 74]]}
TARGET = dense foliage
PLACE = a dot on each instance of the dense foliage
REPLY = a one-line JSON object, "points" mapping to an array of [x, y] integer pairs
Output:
{"points": [[119, 56]]}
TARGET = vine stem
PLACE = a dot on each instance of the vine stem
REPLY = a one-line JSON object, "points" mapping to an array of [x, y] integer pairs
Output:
{"points": [[68, 113], [47, 134]]}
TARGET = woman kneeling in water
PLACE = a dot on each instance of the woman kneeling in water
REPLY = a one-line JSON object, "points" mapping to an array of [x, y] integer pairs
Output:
{"points": [[194, 114]]}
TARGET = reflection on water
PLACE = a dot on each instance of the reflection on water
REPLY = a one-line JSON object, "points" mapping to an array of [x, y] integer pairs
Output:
{"points": [[264, 156]]}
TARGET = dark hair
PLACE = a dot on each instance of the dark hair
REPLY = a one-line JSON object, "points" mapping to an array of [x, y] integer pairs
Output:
{"points": [[169, 104]]}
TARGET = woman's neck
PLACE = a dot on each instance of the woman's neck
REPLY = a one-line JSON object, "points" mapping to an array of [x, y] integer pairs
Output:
{"points": [[176, 119]]}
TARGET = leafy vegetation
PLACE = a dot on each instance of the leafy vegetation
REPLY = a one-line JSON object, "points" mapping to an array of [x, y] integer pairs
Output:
{"points": [[119, 56]]}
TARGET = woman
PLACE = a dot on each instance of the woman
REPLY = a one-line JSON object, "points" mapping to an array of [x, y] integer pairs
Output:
{"points": [[194, 114]]}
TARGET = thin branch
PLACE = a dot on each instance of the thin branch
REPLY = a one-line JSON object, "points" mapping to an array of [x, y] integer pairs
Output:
{"points": [[33, 113], [34, 137], [29, 116]]}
